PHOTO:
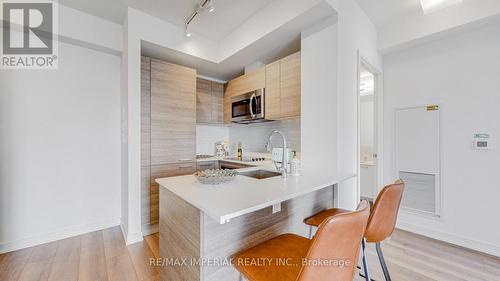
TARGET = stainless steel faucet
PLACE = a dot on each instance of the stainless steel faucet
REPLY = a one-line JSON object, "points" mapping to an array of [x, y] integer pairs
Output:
{"points": [[283, 169]]}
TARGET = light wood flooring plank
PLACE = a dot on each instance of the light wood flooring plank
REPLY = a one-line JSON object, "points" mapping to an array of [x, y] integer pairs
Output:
{"points": [[118, 262], [92, 265], [143, 259], [12, 264], [40, 262], [154, 243], [67, 260]]}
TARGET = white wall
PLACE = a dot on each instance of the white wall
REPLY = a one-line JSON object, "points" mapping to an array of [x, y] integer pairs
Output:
{"points": [[59, 148], [319, 97], [461, 73]]}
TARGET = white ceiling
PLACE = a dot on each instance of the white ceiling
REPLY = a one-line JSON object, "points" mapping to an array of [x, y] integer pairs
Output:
{"points": [[382, 12], [277, 44], [228, 15]]}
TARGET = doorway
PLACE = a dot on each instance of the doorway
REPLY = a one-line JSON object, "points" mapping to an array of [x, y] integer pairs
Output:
{"points": [[367, 132]]}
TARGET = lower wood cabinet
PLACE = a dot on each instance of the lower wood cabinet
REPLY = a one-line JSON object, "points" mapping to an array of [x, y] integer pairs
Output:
{"points": [[164, 171]]}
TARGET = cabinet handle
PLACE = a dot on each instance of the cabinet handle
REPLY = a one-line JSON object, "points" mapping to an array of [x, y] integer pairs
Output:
{"points": [[186, 159], [185, 166]]}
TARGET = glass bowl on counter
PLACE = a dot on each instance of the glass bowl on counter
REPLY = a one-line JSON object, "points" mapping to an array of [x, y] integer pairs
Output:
{"points": [[215, 176]]}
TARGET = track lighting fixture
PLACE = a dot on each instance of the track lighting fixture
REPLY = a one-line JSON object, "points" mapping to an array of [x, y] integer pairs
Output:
{"points": [[211, 6], [205, 5]]}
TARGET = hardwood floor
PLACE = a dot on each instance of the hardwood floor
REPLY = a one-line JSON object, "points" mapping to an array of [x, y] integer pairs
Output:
{"points": [[412, 257], [95, 256], [103, 256]]}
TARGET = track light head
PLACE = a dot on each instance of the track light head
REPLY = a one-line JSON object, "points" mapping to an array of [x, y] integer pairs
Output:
{"points": [[211, 6]]}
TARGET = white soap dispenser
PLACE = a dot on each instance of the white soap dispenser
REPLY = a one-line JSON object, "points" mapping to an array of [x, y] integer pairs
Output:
{"points": [[295, 165]]}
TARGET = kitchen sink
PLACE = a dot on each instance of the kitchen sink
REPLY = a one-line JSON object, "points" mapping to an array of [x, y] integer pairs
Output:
{"points": [[260, 174]]}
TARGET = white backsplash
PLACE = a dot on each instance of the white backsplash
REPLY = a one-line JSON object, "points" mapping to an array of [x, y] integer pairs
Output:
{"points": [[254, 136], [208, 135]]}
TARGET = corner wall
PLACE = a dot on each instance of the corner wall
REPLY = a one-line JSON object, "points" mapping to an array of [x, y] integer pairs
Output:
{"points": [[356, 34]]}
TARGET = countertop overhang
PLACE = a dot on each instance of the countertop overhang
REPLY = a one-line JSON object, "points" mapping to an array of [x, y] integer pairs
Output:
{"points": [[245, 195]]}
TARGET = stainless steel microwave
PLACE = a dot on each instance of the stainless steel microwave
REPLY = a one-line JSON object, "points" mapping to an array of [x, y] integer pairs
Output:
{"points": [[248, 107]]}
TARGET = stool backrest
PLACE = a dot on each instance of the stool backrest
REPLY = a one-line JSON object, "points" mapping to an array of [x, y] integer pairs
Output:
{"points": [[334, 250], [384, 212]]}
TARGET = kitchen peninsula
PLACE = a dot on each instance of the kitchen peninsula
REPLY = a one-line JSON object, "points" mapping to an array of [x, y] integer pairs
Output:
{"points": [[212, 222]]}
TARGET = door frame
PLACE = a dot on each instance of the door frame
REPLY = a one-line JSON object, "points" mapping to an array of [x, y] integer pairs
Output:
{"points": [[378, 124]]}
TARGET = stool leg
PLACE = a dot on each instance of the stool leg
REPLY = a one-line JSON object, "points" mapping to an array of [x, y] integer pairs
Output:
{"points": [[382, 262], [365, 262], [310, 232]]}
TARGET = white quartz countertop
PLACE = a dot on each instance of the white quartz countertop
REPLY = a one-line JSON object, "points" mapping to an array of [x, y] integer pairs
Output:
{"points": [[244, 195]]}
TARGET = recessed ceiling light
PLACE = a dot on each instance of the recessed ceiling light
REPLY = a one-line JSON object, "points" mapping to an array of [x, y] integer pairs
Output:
{"points": [[429, 6], [188, 33]]}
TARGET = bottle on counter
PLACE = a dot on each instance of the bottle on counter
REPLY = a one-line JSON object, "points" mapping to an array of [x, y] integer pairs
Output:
{"points": [[240, 152], [295, 165]]}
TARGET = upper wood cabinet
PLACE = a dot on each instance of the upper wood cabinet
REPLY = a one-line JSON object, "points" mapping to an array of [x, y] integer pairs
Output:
{"points": [[173, 113], [145, 111], [209, 101], [217, 102], [240, 85], [290, 86], [283, 88], [273, 90]]}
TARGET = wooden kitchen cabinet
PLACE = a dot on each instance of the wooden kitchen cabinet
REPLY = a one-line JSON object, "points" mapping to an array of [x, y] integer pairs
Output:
{"points": [[273, 91], [145, 141], [168, 130], [283, 88], [203, 101], [173, 113], [164, 171], [209, 101], [217, 102], [290, 86], [240, 85], [145, 111], [247, 82]]}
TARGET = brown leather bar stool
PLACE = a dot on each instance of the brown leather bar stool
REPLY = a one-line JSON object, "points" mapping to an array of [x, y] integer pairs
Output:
{"points": [[380, 224], [338, 240]]}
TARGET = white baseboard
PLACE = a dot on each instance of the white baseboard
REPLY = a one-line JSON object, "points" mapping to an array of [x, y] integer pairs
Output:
{"points": [[475, 245], [134, 237], [150, 229], [57, 235], [131, 238]]}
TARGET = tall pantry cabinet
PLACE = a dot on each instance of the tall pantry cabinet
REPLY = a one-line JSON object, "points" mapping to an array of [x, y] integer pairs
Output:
{"points": [[168, 130]]}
